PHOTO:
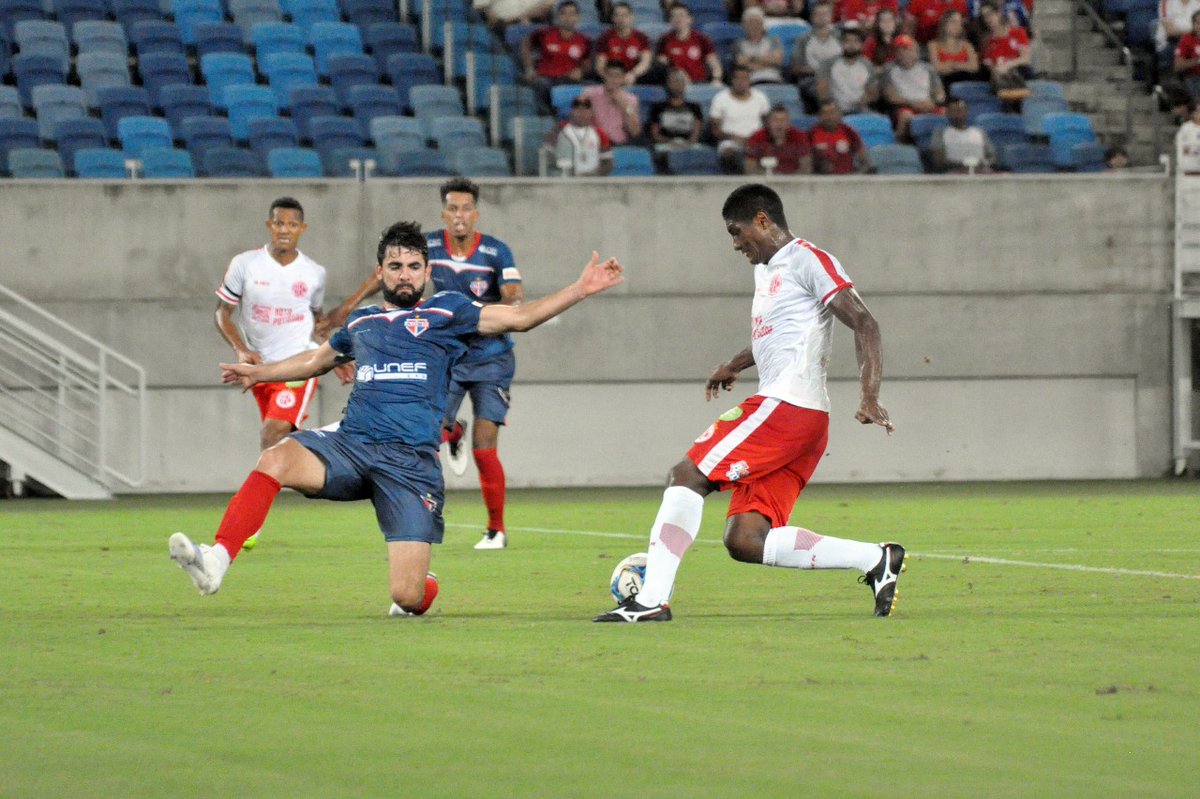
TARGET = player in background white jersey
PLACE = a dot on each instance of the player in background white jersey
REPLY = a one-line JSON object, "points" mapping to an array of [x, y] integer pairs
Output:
{"points": [[766, 449], [269, 303]]}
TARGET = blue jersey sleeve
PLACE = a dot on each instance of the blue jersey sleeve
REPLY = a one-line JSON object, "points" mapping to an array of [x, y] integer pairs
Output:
{"points": [[340, 340], [465, 320], [506, 267]]}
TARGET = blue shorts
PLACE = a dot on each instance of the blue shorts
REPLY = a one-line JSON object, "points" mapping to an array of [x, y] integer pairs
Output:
{"points": [[403, 483], [487, 382]]}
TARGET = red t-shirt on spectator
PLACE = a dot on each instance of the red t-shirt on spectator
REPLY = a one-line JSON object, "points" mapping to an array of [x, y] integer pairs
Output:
{"points": [[558, 55], [1189, 48], [794, 147], [1002, 49], [861, 11], [688, 54], [928, 13], [623, 50], [833, 150], [878, 55]]}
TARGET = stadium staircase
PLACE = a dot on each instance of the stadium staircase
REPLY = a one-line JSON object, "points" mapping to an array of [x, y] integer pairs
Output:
{"points": [[72, 411]]}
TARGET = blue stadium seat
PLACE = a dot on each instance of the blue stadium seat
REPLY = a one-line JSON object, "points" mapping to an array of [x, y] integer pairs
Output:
{"points": [[36, 69], [464, 35], [53, 103], [1046, 89], [510, 102], [334, 38], [701, 94], [430, 102], [516, 33], [277, 37], [527, 135], [365, 13], [895, 159], [136, 133], [454, 132], [118, 102], [271, 133], [785, 93], [190, 13], [180, 101], [407, 70], [561, 97], [421, 164], [872, 128], [310, 102], [806, 122], [100, 163], [155, 36], [979, 97], [491, 69], [248, 102], [1003, 130], [101, 71], [388, 38], [160, 70], [5, 52], [70, 12], [1065, 131], [1088, 157], [294, 162], [10, 103], [480, 162], [73, 135], [43, 37], [787, 33], [130, 12], [370, 101], [231, 162], [1029, 158], [218, 37], [395, 134], [249, 13], [922, 126], [347, 70], [337, 161], [201, 134], [100, 36], [286, 71], [167, 163], [631, 161], [329, 133], [15, 134], [306, 13], [14, 11], [723, 34], [226, 69], [1033, 109], [696, 161], [34, 164]]}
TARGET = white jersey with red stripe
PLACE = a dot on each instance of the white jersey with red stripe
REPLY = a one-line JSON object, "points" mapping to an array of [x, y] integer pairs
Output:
{"points": [[276, 302], [792, 330]]}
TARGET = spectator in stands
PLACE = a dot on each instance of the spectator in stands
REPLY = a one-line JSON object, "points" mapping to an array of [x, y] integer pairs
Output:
{"points": [[880, 46], [961, 147], [1174, 20], [861, 12], [582, 149], [1187, 142], [558, 53], [614, 110], [778, 147], [951, 52], [925, 16], [911, 86], [778, 9], [850, 81], [625, 44], [736, 112], [1006, 54], [689, 49], [1187, 58], [677, 123], [505, 12], [837, 149], [759, 52], [815, 51], [1115, 158]]}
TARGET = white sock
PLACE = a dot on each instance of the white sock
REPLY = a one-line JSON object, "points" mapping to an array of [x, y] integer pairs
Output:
{"points": [[673, 532], [797, 548]]}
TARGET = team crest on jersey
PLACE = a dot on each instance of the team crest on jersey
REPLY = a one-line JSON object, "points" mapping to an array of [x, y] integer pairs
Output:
{"points": [[416, 325], [478, 286], [776, 284], [286, 399], [737, 471], [300, 289]]}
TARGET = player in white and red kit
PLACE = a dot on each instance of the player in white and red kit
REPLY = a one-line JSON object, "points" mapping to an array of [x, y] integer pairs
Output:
{"points": [[766, 449]]}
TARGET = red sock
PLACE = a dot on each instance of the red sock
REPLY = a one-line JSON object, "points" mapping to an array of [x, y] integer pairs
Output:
{"points": [[491, 480], [452, 434], [247, 511]]}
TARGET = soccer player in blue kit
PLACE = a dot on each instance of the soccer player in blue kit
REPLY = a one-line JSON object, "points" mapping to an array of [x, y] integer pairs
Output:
{"points": [[386, 447], [481, 267]]}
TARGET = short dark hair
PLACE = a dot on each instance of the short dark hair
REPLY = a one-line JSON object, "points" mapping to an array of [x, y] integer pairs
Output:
{"points": [[407, 235], [848, 31], [775, 109], [744, 203], [286, 202], [622, 4], [614, 65], [460, 184], [566, 3], [684, 6]]}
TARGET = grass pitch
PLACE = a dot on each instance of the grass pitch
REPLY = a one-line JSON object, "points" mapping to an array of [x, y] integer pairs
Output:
{"points": [[1045, 645]]}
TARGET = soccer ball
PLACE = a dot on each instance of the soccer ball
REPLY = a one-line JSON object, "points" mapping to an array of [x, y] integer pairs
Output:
{"points": [[627, 577]]}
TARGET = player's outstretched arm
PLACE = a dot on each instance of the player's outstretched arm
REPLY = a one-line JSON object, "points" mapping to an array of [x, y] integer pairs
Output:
{"points": [[309, 363], [337, 317], [597, 276], [849, 308], [726, 374]]}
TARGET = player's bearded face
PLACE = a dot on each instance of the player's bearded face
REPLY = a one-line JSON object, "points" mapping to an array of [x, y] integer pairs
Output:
{"points": [[404, 275]]}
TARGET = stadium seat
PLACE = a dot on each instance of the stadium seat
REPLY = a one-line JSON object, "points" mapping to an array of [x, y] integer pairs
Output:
{"points": [[696, 161], [160, 70], [336, 162], [787, 33], [1035, 108], [1088, 157], [506, 103], [73, 135], [454, 132], [389, 38], [365, 13], [267, 134], [702, 94], [1034, 158], [231, 162], [136, 133], [394, 134], [310, 102], [294, 162], [922, 126], [36, 69], [167, 163], [422, 164], [429, 102], [407, 70], [10, 103], [483, 162], [270, 38], [70, 12], [561, 97], [1065, 131], [34, 164], [41, 36], [805, 122], [190, 13], [491, 69], [464, 35], [334, 38], [130, 12], [100, 163], [248, 102], [631, 161], [155, 36], [118, 102], [780, 93], [724, 35], [370, 101], [347, 70], [872, 128], [180, 101], [516, 33], [100, 36], [101, 71], [306, 13], [249, 13], [5, 52], [895, 159], [226, 69], [201, 134], [17, 134], [287, 71], [1046, 89], [1002, 130], [527, 135], [14, 11], [53, 103], [218, 37], [652, 26], [329, 133]]}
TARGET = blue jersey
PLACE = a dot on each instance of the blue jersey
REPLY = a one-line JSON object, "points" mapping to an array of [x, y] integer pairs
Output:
{"points": [[488, 266], [404, 360]]}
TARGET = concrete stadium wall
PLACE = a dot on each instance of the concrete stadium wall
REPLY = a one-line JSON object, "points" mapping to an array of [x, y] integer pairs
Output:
{"points": [[1025, 319]]}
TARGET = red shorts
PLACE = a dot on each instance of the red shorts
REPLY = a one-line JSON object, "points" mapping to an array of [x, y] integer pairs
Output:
{"points": [[765, 450], [287, 402]]}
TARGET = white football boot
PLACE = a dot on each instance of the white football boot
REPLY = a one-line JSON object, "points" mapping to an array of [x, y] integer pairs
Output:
{"points": [[200, 562], [493, 539]]}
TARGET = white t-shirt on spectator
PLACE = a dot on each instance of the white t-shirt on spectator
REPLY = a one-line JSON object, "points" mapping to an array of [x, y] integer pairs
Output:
{"points": [[740, 117]]}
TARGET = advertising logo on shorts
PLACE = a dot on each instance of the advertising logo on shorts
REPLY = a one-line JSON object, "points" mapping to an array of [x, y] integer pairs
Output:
{"points": [[300, 289], [430, 503], [478, 286], [286, 398], [416, 325], [737, 471]]}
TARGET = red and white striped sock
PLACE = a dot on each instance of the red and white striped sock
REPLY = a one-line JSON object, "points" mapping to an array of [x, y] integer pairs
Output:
{"points": [[798, 548], [674, 530]]}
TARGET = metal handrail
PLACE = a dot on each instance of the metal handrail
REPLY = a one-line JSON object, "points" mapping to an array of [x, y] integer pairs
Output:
{"points": [[1160, 98], [1111, 35]]}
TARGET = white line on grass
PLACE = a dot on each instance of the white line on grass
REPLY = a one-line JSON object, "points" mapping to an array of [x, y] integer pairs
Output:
{"points": [[1075, 567]]}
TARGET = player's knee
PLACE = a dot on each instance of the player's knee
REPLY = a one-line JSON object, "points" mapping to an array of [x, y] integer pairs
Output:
{"points": [[687, 475], [273, 461], [409, 596], [272, 434], [744, 541]]}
